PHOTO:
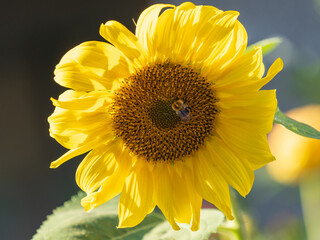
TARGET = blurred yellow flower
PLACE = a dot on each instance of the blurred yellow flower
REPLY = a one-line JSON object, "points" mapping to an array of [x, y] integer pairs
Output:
{"points": [[296, 155], [170, 115]]}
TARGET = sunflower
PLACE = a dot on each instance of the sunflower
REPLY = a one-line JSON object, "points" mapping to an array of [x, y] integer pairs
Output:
{"points": [[170, 115]]}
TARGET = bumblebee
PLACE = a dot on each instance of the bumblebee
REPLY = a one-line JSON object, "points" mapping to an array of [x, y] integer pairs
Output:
{"points": [[181, 109]]}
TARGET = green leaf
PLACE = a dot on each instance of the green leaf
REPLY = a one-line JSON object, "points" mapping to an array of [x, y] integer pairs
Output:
{"points": [[295, 126], [267, 45], [210, 220], [71, 222]]}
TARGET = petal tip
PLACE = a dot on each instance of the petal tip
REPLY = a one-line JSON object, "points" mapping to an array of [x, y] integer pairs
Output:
{"points": [[54, 102], [230, 217], [279, 63], [195, 227], [175, 227], [54, 165], [87, 204], [123, 225]]}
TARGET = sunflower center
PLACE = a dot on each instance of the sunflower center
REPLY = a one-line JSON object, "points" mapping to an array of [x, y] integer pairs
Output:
{"points": [[162, 115], [164, 112]]}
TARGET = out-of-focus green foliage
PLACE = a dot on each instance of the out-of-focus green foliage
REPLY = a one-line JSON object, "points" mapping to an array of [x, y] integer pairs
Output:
{"points": [[286, 228], [310, 197], [267, 45], [307, 82], [316, 4]]}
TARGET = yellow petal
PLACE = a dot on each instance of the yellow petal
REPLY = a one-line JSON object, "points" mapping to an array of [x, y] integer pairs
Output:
{"points": [[163, 37], [163, 192], [210, 184], [256, 109], [112, 185], [275, 68], [194, 197], [175, 194], [246, 76], [245, 72], [97, 166], [191, 34], [186, 6], [136, 199], [91, 66], [249, 144], [169, 41], [73, 153], [243, 123], [91, 101], [235, 172], [227, 50], [193, 21], [73, 128], [124, 40], [180, 199], [146, 25]]}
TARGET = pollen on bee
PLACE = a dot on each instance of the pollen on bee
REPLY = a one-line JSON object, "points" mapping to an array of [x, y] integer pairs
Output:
{"points": [[181, 109]]}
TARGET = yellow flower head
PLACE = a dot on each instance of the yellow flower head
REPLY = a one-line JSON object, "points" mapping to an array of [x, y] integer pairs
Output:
{"points": [[169, 115], [296, 155]]}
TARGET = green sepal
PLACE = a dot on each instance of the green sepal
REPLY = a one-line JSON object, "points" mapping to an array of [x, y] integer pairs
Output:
{"points": [[295, 126], [267, 45], [71, 222]]}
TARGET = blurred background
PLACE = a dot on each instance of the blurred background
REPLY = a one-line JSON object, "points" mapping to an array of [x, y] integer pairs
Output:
{"points": [[34, 37]]}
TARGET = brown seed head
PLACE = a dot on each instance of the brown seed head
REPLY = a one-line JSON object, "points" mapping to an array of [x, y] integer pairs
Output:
{"points": [[143, 116]]}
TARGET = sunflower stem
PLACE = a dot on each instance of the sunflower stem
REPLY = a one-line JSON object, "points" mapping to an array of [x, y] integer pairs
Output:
{"points": [[238, 218], [234, 229], [310, 198]]}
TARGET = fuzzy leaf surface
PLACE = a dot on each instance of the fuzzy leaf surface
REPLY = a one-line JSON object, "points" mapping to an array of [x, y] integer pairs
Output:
{"points": [[71, 222]]}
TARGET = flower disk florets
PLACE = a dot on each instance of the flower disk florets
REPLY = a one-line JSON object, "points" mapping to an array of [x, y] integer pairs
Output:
{"points": [[145, 120]]}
